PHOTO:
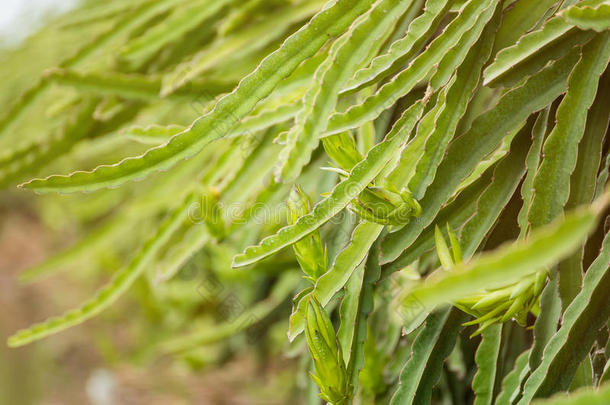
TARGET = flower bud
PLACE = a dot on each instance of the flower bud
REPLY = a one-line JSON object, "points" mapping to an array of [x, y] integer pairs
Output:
{"points": [[385, 207], [330, 371], [341, 148], [208, 211], [309, 251], [499, 305], [381, 205]]}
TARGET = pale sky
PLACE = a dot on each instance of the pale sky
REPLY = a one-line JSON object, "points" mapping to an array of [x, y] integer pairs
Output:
{"points": [[19, 18]]}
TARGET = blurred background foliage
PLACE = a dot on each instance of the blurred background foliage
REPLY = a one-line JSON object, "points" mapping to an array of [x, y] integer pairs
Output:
{"points": [[118, 354]]}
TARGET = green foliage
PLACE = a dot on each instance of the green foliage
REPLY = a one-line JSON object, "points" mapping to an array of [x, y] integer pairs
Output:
{"points": [[431, 175], [589, 17]]}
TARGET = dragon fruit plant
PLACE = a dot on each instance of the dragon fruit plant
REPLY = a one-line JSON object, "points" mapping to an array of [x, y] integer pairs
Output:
{"points": [[406, 197]]}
